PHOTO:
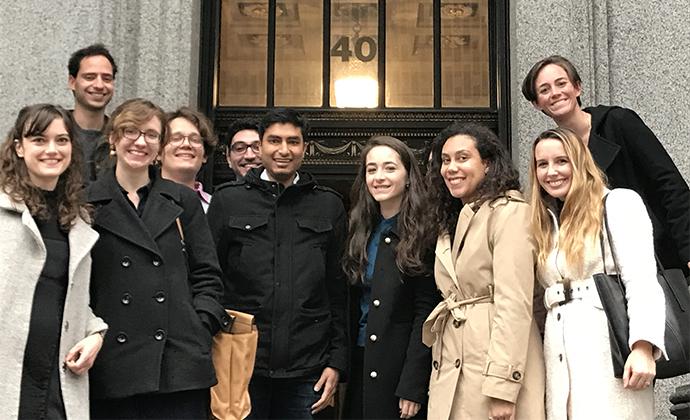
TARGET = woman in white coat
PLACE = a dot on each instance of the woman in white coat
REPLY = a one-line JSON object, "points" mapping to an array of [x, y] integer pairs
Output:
{"points": [[50, 335], [567, 218]]}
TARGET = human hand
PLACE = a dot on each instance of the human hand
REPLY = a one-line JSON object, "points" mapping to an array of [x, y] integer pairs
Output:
{"points": [[329, 382], [640, 368], [408, 408], [80, 358], [501, 409]]}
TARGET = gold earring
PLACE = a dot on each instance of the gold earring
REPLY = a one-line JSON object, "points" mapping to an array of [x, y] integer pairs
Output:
{"points": [[112, 150]]}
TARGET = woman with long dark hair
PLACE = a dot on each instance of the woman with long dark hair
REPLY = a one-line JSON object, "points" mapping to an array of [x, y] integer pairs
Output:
{"points": [[386, 259], [155, 280], [50, 335], [487, 353], [567, 221], [624, 148]]}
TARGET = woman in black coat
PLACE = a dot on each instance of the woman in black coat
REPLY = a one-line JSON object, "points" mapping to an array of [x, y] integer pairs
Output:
{"points": [[624, 148], [155, 279], [385, 259]]}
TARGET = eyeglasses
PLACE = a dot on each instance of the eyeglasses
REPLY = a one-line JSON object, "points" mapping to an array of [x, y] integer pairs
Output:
{"points": [[193, 139], [241, 147], [133, 133]]}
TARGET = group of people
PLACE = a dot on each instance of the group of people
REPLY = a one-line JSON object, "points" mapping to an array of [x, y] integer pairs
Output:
{"points": [[421, 299]]}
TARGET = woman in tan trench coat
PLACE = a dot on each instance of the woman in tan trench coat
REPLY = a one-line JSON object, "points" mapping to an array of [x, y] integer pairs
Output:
{"points": [[487, 352]]}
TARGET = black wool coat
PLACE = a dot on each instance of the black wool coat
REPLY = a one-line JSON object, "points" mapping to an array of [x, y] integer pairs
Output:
{"points": [[396, 362], [632, 157], [280, 251], [159, 295]]}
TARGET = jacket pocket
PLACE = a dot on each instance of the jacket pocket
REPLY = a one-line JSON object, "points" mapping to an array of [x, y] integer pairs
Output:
{"points": [[246, 227], [245, 234], [314, 231]]}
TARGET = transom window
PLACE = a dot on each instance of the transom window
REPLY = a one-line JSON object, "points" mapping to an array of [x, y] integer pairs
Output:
{"points": [[355, 54]]}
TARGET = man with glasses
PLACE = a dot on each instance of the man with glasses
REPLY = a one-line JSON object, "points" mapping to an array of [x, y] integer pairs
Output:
{"points": [[190, 142], [92, 81], [243, 151]]}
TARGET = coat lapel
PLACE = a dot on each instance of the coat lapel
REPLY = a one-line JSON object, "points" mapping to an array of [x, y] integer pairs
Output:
{"points": [[115, 214], [81, 239], [445, 257], [466, 215], [161, 208], [603, 151]]}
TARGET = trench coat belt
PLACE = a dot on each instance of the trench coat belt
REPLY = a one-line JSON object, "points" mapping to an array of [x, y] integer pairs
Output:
{"points": [[435, 324]]}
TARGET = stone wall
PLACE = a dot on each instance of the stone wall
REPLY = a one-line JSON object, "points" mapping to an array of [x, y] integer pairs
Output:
{"points": [[155, 45]]}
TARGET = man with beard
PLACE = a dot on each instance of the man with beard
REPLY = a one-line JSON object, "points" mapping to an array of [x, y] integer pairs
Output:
{"points": [[92, 81]]}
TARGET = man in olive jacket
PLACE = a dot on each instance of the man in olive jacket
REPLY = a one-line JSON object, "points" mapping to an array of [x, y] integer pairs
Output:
{"points": [[279, 237]]}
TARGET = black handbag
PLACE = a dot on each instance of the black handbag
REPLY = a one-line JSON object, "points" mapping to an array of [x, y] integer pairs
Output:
{"points": [[677, 297]]}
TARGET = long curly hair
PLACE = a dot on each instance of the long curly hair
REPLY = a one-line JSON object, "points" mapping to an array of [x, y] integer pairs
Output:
{"points": [[501, 176], [415, 237], [581, 215], [32, 121]]}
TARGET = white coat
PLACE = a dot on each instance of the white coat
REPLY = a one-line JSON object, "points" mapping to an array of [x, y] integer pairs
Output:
{"points": [[22, 256], [579, 372]]}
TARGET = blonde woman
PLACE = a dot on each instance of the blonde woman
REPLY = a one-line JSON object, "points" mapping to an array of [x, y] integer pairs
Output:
{"points": [[567, 218]]}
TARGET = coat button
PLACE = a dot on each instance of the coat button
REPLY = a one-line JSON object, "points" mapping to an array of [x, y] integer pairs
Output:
{"points": [[457, 363], [457, 323], [560, 357], [517, 375], [373, 337], [159, 335], [436, 364], [387, 240], [66, 326], [126, 299], [376, 303], [558, 317], [121, 338], [156, 263], [247, 227], [160, 297], [373, 374], [126, 262]]}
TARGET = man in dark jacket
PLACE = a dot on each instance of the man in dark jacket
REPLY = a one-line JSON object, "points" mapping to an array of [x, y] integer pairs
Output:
{"points": [[279, 237]]}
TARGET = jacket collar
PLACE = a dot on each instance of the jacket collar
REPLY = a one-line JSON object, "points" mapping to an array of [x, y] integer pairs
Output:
{"points": [[253, 177], [603, 151], [81, 237]]}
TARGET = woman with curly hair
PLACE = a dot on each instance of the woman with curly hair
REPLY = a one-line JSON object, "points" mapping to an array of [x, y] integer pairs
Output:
{"points": [[51, 336], [486, 348], [387, 260], [567, 219]]}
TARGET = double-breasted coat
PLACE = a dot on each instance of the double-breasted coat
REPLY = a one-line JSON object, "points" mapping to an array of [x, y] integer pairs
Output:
{"points": [[396, 362], [159, 289], [485, 341], [22, 257], [632, 157]]}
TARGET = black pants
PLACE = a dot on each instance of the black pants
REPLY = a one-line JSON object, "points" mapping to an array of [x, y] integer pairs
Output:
{"points": [[175, 405]]}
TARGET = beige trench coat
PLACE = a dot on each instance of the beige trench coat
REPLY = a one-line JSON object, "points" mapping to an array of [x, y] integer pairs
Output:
{"points": [[484, 339]]}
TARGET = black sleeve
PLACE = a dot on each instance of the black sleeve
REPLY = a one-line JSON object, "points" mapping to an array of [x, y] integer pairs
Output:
{"points": [[661, 178], [414, 378], [204, 271], [337, 294]]}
